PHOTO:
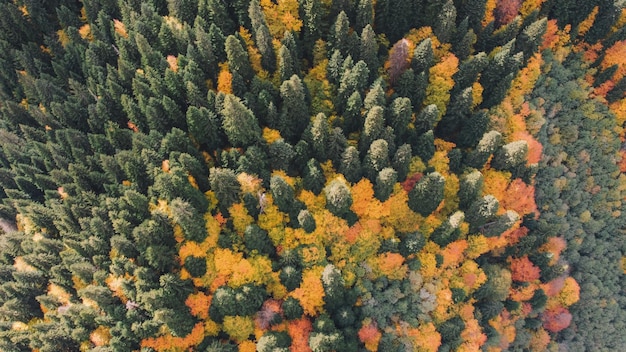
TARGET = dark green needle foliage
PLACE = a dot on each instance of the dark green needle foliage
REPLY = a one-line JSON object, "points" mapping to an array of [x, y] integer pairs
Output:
{"points": [[295, 175]]}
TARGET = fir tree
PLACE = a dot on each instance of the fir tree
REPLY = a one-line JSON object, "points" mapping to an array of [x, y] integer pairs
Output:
{"points": [[239, 122]]}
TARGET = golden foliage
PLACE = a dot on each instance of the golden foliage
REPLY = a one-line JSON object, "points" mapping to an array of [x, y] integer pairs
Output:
{"points": [[172, 62], [586, 24], [85, 32], [568, 295], [616, 55], [171, 343], [528, 6], [313, 255], [310, 294], [281, 16], [490, 6], [440, 83], [473, 275], [247, 346], [120, 28], [429, 264], [113, 282], [225, 79], [525, 80], [496, 183], [390, 265], [397, 214], [271, 135], [238, 327], [64, 39], [225, 260], [444, 302], [240, 217], [425, 336], [253, 52], [100, 336], [213, 228], [199, 304], [477, 94], [273, 221], [363, 202], [416, 36]]}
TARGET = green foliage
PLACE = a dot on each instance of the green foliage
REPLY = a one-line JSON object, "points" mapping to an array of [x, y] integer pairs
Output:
{"points": [[426, 195], [338, 197], [239, 123], [292, 308], [411, 243], [350, 165], [196, 266], [282, 193], [306, 221], [126, 128], [256, 239], [385, 181], [225, 185], [481, 212]]}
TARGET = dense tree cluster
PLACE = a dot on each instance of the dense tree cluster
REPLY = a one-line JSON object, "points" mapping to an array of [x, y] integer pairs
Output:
{"points": [[308, 175]]}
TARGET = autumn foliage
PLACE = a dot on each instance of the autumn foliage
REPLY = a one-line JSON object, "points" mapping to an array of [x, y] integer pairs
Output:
{"points": [[307, 175]]}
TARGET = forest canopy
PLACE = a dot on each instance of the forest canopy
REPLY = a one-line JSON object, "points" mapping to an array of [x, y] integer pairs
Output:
{"points": [[312, 175]]}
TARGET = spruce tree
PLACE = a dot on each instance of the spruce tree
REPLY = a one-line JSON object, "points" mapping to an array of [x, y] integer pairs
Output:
{"points": [[294, 113], [237, 56], [262, 36], [426, 195], [239, 123]]}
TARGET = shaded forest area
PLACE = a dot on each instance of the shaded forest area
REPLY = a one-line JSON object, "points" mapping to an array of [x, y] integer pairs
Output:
{"points": [[312, 175]]}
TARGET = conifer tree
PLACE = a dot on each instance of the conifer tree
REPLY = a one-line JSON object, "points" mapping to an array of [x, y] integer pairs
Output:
{"points": [[262, 36], [338, 197], [350, 165], [239, 122], [423, 57], [481, 212], [340, 33], [400, 116], [318, 135], [486, 147], [375, 96], [445, 24], [225, 185], [385, 182], [364, 15], [238, 60], [294, 115], [470, 188], [368, 49], [285, 63], [313, 178], [373, 127], [426, 195], [218, 14], [282, 193], [281, 155]]}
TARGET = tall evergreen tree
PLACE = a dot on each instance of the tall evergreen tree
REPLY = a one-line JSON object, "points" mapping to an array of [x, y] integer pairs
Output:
{"points": [[239, 123], [262, 36], [294, 113], [238, 60]]}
